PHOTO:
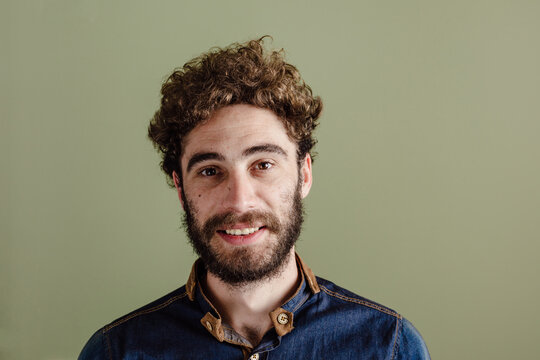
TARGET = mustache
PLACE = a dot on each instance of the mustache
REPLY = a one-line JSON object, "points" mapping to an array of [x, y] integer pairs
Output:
{"points": [[219, 221]]}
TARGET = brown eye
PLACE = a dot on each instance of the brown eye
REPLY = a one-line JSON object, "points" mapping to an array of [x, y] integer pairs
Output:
{"points": [[264, 165], [209, 172]]}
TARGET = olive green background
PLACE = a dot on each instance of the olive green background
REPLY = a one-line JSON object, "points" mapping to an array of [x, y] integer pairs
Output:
{"points": [[426, 187]]}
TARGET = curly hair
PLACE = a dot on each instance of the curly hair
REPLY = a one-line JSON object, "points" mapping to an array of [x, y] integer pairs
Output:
{"points": [[238, 74]]}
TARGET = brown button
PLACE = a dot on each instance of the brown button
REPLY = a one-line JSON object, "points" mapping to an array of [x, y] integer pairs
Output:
{"points": [[254, 357], [208, 325], [283, 318]]}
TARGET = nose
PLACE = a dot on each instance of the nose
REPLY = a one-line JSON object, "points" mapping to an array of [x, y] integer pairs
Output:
{"points": [[240, 192]]}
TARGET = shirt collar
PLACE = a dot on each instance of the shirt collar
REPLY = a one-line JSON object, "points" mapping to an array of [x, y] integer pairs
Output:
{"points": [[282, 317], [305, 272]]}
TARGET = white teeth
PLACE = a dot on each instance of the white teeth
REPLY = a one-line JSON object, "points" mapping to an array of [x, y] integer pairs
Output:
{"points": [[245, 231]]}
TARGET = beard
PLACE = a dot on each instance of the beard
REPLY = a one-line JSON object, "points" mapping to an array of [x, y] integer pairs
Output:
{"points": [[246, 264]]}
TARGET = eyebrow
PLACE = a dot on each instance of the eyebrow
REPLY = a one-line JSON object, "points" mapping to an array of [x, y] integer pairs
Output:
{"points": [[271, 148], [200, 157], [268, 148]]}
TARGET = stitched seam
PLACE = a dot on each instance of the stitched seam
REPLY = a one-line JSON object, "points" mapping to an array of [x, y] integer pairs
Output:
{"points": [[108, 345], [396, 341], [147, 311], [361, 302], [300, 303]]}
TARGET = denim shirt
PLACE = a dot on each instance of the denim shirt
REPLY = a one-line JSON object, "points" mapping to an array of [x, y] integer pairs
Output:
{"points": [[320, 321]]}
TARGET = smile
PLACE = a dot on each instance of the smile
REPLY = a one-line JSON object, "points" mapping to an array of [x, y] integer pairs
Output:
{"points": [[241, 236], [245, 231]]}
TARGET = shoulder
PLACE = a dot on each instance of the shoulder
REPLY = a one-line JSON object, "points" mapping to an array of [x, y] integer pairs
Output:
{"points": [[154, 308], [363, 316], [98, 346], [339, 294], [410, 344]]}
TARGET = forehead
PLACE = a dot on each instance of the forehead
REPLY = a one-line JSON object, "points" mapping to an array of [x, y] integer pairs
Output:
{"points": [[235, 127]]}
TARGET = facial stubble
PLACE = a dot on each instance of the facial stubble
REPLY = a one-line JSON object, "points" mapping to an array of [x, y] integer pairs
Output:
{"points": [[246, 264]]}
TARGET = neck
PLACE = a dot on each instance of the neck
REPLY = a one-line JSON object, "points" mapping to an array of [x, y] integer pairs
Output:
{"points": [[246, 308]]}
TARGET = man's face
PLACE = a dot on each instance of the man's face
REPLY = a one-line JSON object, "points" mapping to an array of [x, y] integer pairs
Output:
{"points": [[242, 191]]}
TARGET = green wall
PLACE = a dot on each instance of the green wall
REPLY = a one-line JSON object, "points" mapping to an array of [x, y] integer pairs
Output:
{"points": [[426, 190]]}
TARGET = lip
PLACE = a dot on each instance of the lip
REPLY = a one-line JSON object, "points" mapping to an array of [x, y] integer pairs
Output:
{"points": [[242, 239], [241, 226]]}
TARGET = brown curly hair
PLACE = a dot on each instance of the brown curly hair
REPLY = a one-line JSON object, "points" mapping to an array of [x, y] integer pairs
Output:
{"points": [[238, 74]]}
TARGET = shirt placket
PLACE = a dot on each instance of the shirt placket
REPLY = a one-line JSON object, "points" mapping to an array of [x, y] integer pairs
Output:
{"points": [[282, 319]]}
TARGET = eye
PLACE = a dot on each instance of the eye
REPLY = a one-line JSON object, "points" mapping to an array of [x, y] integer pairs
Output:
{"points": [[208, 172], [264, 165]]}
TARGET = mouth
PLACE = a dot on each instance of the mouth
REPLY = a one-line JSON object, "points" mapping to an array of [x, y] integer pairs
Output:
{"points": [[241, 235], [241, 231]]}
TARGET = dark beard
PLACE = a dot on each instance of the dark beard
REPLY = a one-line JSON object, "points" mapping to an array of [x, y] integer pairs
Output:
{"points": [[241, 266]]}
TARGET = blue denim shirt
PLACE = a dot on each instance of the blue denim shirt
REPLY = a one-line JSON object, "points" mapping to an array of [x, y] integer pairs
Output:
{"points": [[320, 321]]}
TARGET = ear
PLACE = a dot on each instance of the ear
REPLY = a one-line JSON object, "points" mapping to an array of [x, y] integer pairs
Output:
{"points": [[176, 180], [307, 176]]}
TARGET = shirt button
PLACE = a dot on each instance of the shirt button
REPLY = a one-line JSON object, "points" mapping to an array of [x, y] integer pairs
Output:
{"points": [[254, 357], [208, 325], [283, 318]]}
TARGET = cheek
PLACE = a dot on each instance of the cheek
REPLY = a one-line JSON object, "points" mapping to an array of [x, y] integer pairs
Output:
{"points": [[284, 195], [196, 195], [200, 203]]}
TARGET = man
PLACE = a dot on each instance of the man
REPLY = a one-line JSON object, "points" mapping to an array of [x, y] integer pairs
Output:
{"points": [[235, 129]]}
